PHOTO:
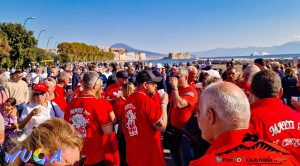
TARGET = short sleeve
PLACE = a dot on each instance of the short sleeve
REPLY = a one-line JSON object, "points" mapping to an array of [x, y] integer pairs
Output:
{"points": [[102, 114], [153, 111], [190, 96]]}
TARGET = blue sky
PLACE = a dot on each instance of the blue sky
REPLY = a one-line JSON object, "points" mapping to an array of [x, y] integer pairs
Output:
{"points": [[159, 25]]}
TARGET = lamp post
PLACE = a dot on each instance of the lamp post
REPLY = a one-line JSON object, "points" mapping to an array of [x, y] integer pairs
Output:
{"points": [[55, 45], [29, 18], [48, 42], [40, 35]]}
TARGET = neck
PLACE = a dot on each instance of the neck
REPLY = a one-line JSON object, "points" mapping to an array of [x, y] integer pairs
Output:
{"points": [[184, 85], [43, 103], [89, 92]]}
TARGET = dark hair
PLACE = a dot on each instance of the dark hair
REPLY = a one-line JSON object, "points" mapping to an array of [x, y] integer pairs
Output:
{"points": [[260, 61], [266, 84], [12, 101], [142, 77]]}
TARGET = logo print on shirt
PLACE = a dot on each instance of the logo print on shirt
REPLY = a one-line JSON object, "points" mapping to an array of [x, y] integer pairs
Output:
{"points": [[130, 124], [79, 122]]}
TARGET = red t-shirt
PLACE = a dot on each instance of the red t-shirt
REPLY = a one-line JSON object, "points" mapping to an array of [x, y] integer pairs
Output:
{"points": [[233, 148], [275, 122], [59, 91], [143, 141], [112, 91], [245, 86], [179, 116], [87, 114]]}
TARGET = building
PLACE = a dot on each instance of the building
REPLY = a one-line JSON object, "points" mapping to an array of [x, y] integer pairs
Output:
{"points": [[103, 48], [179, 56]]}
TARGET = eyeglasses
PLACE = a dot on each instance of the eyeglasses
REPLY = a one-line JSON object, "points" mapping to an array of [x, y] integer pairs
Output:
{"points": [[97, 81], [38, 94]]}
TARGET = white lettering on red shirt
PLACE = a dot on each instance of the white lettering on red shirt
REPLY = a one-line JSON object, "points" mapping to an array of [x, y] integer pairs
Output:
{"points": [[276, 128]]}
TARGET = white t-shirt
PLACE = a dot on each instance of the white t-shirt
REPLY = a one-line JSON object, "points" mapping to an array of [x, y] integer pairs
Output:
{"points": [[47, 113]]}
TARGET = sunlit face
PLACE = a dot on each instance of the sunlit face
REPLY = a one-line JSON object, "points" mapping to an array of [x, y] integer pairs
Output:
{"points": [[193, 76], [39, 96], [69, 157], [231, 74]]}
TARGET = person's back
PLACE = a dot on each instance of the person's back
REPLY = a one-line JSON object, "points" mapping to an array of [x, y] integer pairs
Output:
{"points": [[271, 120], [140, 135], [238, 147], [87, 115]]}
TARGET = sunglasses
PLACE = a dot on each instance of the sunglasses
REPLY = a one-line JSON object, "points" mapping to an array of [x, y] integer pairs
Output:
{"points": [[38, 94]]}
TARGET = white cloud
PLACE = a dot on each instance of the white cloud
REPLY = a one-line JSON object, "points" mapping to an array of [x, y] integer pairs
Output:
{"points": [[296, 36]]}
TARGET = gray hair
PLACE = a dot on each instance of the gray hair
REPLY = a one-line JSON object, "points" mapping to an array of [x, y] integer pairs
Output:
{"points": [[275, 66], [230, 104], [63, 76], [89, 79], [183, 71]]}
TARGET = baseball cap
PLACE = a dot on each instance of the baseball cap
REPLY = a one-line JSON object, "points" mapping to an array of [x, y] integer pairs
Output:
{"points": [[122, 74], [212, 73], [41, 87], [147, 76], [159, 65]]}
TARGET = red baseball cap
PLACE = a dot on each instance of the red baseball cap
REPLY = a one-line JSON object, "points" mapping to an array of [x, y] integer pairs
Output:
{"points": [[41, 87]]}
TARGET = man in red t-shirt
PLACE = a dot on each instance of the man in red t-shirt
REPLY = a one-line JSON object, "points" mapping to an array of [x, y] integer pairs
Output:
{"points": [[90, 118], [114, 91], [270, 118], [248, 73], [183, 105], [223, 117], [143, 120]]}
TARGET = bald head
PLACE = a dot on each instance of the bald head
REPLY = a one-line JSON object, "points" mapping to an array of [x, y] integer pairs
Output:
{"points": [[228, 105], [193, 74], [249, 72]]}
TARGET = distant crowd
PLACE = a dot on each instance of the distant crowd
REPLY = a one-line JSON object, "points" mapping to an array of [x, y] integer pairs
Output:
{"points": [[111, 114]]}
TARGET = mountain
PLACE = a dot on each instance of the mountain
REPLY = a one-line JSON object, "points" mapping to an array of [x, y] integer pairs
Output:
{"points": [[149, 54], [287, 48]]}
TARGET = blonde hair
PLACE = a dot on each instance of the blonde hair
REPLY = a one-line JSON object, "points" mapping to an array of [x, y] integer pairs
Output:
{"points": [[127, 89], [53, 134]]}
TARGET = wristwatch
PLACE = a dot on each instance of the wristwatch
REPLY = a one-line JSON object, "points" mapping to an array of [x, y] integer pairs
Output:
{"points": [[175, 88]]}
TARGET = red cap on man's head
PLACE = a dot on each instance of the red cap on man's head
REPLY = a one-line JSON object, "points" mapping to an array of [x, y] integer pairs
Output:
{"points": [[41, 87]]}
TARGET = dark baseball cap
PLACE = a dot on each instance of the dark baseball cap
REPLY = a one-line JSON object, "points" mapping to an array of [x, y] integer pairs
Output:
{"points": [[122, 74], [147, 76]]}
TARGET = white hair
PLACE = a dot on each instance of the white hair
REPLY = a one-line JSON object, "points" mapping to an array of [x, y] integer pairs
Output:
{"points": [[230, 104], [249, 72]]}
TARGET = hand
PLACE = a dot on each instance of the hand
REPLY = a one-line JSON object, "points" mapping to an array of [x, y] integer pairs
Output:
{"points": [[295, 104], [173, 82], [12, 112], [35, 112]]}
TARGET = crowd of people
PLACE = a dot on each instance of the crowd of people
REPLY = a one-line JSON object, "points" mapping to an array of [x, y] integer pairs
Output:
{"points": [[111, 114]]}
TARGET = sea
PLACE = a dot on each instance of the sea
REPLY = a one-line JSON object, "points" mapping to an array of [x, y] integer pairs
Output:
{"points": [[203, 59]]}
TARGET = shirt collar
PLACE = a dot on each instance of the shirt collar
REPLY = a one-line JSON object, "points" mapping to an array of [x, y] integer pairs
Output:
{"points": [[231, 137], [267, 101]]}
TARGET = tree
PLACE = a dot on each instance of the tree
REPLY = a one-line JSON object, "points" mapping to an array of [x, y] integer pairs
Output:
{"points": [[82, 52], [4, 46], [22, 42]]}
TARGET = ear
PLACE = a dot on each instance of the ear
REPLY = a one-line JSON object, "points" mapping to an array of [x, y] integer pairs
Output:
{"points": [[280, 92], [211, 116], [145, 85]]}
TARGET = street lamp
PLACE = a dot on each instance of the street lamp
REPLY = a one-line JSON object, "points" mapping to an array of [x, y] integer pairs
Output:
{"points": [[29, 18], [48, 42], [40, 35]]}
